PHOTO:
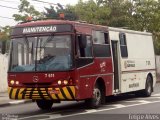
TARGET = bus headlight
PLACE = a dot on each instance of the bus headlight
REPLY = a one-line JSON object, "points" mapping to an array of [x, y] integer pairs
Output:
{"points": [[65, 82], [59, 82], [12, 82], [17, 82]]}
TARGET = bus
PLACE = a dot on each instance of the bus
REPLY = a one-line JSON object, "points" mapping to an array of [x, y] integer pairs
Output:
{"points": [[59, 60]]}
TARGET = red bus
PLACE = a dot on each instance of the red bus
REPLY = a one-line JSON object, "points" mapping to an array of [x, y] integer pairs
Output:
{"points": [[59, 60]]}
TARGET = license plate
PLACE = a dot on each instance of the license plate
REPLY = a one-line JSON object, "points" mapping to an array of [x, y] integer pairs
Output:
{"points": [[54, 92]]}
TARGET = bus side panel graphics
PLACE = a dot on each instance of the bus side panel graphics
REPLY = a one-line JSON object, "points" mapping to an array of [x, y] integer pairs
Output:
{"points": [[64, 93]]}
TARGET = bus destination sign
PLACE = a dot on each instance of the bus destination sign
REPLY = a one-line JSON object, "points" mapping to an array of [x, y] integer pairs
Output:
{"points": [[41, 29]]}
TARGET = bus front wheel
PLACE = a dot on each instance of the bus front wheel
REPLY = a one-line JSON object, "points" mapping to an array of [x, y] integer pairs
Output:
{"points": [[44, 104], [95, 101]]}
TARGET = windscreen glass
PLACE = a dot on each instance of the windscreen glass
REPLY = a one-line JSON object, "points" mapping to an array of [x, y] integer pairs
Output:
{"points": [[44, 53]]}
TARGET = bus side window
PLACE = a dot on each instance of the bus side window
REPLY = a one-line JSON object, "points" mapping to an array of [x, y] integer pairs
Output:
{"points": [[123, 45], [87, 51], [80, 51], [101, 46], [106, 37]]}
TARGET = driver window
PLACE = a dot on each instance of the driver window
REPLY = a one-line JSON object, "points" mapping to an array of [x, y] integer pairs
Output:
{"points": [[87, 51]]}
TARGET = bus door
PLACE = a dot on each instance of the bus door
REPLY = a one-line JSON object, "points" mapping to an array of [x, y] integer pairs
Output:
{"points": [[116, 62]]}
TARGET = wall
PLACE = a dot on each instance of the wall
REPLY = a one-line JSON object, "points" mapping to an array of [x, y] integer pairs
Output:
{"points": [[3, 72], [158, 68]]}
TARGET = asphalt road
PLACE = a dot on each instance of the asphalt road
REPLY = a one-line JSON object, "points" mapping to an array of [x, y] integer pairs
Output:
{"points": [[123, 107]]}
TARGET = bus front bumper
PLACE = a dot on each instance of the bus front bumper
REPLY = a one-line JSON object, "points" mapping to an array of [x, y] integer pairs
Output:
{"points": [[63, 93]]}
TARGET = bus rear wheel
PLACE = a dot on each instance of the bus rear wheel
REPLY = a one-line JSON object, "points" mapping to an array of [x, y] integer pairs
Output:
{"points": [[95, 101], [44, 104], [148, 88]]}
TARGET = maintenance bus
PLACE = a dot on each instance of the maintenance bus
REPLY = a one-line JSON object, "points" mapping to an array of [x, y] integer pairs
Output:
{"points": [[60, 60]]}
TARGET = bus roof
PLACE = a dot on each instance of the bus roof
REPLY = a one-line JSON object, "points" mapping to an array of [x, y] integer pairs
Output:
{"points": [[50, 26], [81, 23], [52, 21], [128, 31]]}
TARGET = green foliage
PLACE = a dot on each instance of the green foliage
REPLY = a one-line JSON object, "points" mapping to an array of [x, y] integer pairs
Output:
{"points": [[53, 12], [26, 10], [5, 33], [145, 15], [156, 37], [120, 14], [70, 13], [92, 12], [5, 38]]}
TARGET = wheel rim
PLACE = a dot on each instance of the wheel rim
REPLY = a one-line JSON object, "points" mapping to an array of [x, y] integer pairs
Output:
{"points": [[97, 96]]}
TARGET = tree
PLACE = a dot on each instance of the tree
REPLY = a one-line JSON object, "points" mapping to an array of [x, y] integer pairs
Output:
{"points": [[4, 38], [120, 12], [89, 11], [92, 12], [26, 11], [156, 37], [53, 12], [146, 15], [5, 33]]}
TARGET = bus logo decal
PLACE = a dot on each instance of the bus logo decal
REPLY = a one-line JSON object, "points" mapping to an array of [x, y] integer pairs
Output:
{"points": [[35, 79]]}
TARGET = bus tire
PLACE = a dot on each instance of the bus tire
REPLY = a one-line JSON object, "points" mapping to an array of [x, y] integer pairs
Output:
{"points": [[96, 100], [148, 87], [44, 104]]}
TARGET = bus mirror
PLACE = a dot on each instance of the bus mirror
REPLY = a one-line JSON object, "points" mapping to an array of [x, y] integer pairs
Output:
{"points": [[3, 48], [82, 41]]}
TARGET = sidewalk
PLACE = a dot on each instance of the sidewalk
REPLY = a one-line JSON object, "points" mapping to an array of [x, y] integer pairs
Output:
{"points": [[5, 101]]}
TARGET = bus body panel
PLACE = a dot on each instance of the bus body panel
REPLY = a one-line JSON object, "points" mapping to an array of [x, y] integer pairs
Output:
{"points": [[100, 68], [140, 61]]}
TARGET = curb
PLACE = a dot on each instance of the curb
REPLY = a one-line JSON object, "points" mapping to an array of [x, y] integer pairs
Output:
{"points": [[17, 102]]}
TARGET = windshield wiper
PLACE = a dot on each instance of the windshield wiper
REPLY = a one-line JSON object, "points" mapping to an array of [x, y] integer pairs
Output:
{"points": [[45, 59], [48, 39]]}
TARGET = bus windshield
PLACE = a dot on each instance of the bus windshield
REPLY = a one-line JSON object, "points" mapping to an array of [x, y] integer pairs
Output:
{"points": [[43, 53]]}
